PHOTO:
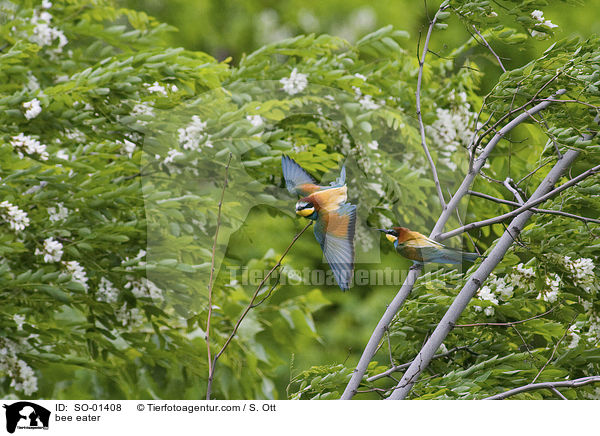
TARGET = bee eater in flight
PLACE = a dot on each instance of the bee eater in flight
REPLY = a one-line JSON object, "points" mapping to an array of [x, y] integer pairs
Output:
{"points": [[335, 220], [419, 248]]}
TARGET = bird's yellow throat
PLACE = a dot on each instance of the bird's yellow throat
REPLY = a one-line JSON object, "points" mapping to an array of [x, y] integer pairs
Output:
{"points": [[391, 238], [305, 212]]}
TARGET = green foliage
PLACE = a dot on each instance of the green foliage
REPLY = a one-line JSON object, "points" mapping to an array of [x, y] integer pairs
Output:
{"points": [[113, 153]]}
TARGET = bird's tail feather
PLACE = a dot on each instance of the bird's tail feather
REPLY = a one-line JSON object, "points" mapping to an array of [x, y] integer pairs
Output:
{"points": [[447, 255]]}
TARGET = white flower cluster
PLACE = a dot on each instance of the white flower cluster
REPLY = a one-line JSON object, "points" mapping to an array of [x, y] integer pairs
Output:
{"points": [[32, 108], [107, 291], [453, 127], [142, 110], [16, 218], [366, 101], [295, 83], [58, 213], [44, 34], [172, 154], [255, 120], [52, 252], [26, 144], [550, 294], [193, 134], [156, 88], [582, 272], [127, 147], [496, 288], [541, 21], [77, 273], [131, 318], [22, 377], [144, 288]]}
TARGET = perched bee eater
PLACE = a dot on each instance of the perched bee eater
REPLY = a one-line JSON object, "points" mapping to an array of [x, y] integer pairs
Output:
{"points": [[335, 220], [419, 248]]}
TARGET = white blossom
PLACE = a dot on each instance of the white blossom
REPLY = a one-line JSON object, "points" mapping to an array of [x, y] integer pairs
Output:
{"points": [[46, 4], [582, 272], [142, 110], [171, 155], [16, 218], [373, 145], [360, 76], [52, 252], [58, 213], [551, 293], [44, 34], [575, 337], [127, 147], [295, 83], [22, 377], [144, 288], [32, 108], [156, 88], [26, 144], [255, 120], [541, 21], [129, 317], [193, 134], [367, 103], [19, 320], [77, 273], [106, 291]]}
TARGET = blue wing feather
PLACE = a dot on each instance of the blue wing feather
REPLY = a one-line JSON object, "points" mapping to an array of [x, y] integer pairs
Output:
{"points": [[339, 251], [294, 175]]}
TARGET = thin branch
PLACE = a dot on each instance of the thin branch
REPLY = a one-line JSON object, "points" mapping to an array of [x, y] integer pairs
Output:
{"points": [[212, 272], [507, 324], [490, 48], [397, 368], [553, 351], [547, 385], [558, 394], [535, 209], [436, 180], [523, 208], [476, 280], [248, 307], [515, 192], [403, 293]]}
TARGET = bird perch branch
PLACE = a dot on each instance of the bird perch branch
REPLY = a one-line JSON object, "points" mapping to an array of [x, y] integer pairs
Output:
{"points": [[407, 286], [477, 279], [547, 385]]}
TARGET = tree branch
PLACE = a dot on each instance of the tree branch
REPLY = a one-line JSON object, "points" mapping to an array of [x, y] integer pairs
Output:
{"points": [[212, 272], [397, 368], [490, 48], [507, 324], [547, 385], [535, 209], [247, 309], [436, 180], [477, 279], [525, 207], [414, 273]]}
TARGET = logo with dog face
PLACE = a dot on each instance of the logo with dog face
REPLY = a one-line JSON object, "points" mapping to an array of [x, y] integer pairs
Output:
{"points": [[26, 415]]}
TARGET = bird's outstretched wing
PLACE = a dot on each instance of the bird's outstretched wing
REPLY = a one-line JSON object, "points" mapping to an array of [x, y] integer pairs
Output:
{"points": [[297, 181], [335, 232]]}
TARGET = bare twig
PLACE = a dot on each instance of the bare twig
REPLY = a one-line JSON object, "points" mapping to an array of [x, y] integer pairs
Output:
{"points": [[507, 324], [490, 48], [523, 208], [414, 272], [558, 394], [476, 280], [547, 385], [534, 209], [247, 309], [553, 351], [212, 272], [436, 180]]}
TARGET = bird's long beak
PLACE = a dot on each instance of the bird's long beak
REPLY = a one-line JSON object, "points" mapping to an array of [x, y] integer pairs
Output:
{"points": [[382, 230]]}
